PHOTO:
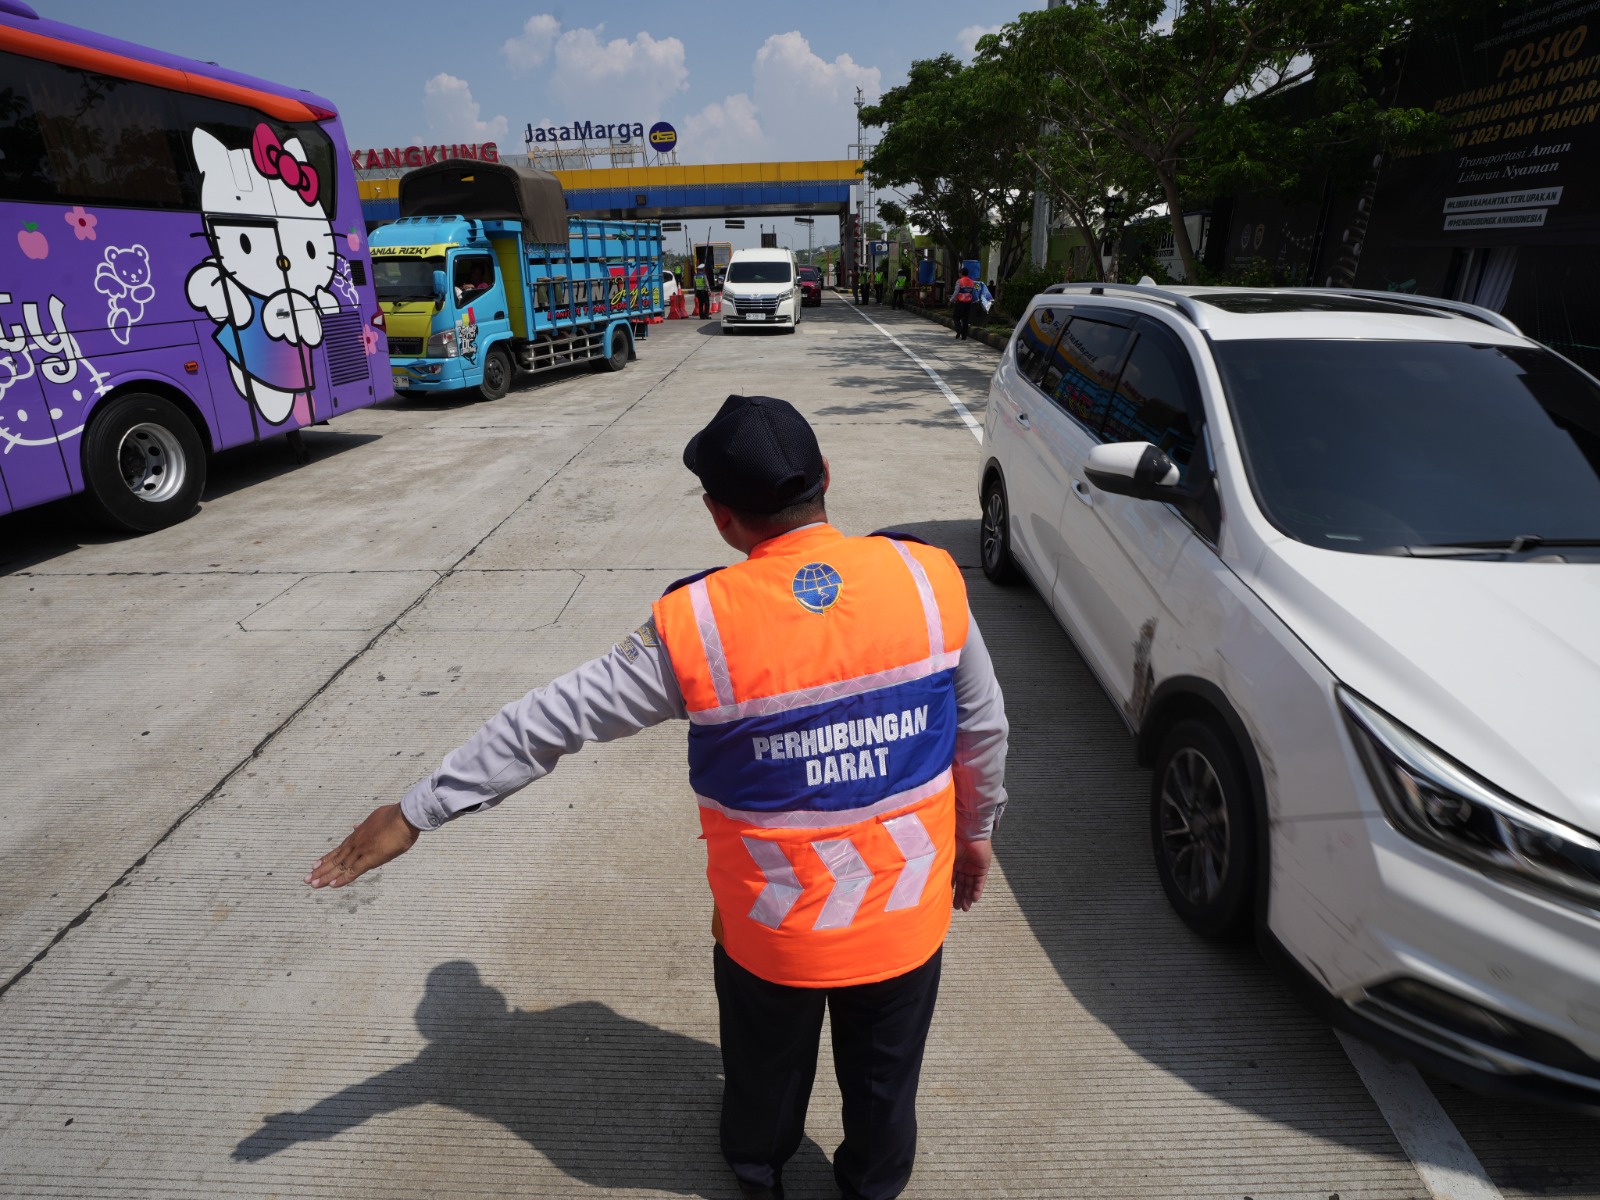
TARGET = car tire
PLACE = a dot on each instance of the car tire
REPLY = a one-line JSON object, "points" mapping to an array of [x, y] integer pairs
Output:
{"points": [[498, 372], [994, 536], [617, 360], [1203, 830], [144, 465]]}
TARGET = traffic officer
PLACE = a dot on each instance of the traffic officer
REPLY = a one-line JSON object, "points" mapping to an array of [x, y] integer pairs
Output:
{"points": [[961, 302], [702, 292], [847, 743]]}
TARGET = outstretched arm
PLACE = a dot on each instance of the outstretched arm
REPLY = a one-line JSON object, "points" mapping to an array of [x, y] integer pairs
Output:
{"points": [[630, 689]]}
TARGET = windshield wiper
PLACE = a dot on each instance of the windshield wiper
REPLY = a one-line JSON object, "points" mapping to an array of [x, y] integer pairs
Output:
{"points": [[1520, 544]]}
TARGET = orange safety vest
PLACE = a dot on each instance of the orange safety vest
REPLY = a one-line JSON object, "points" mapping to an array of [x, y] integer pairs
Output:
{"points": [[818, 675]]}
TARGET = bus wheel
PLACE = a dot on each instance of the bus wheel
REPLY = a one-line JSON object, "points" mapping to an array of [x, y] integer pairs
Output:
{"points": [[620, 343], [497, 372], [144, 466]]}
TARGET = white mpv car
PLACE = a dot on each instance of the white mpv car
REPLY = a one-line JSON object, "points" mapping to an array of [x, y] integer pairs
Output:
{"points": [[761, 289], [1335, 556]]}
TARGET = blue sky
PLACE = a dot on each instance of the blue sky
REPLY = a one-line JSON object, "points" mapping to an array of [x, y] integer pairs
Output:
{"points": [[747, 82], [742, 82]]}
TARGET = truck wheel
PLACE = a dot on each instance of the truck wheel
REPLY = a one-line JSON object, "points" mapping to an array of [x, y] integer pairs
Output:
{"points": [[620, 344], [144, 465], [497, 371]]}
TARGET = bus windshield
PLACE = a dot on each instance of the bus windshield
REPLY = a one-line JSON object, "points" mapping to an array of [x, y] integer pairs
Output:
{"points": [[405, 278]]}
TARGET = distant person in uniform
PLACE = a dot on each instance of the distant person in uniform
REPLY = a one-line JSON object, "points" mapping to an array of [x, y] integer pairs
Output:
{"points": [[961, 302], [901, 281], [847, 743], [702, 293]]}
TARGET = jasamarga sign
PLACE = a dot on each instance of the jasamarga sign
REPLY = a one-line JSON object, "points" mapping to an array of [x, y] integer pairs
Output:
{"points": [[587, 131]]}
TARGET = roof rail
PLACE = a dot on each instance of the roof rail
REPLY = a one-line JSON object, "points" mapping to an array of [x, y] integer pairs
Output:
{"points": [[1460, 308], [1184, 304]]}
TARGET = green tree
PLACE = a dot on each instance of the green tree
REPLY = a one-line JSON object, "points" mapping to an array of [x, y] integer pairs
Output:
{"points": [[1184, 93], [950, 149]]}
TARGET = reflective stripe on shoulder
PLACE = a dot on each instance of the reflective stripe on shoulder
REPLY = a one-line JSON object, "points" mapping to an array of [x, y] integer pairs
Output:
{"points": [[930, 603], [711, 642]]}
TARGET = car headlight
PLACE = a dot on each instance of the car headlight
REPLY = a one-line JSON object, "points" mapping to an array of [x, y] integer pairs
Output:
{"points": [[1436, 801], [442, 345]]}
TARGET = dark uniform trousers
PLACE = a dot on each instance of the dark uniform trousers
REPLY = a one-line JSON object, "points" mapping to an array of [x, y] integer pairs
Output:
{"points": [[961, 310], [770, 1035]]}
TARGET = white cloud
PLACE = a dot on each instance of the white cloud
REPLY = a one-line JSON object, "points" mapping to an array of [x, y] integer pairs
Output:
{"points": [[799, 106], [726, 131], [452, 113], [635, 75], [530, 48], [967, 39]]}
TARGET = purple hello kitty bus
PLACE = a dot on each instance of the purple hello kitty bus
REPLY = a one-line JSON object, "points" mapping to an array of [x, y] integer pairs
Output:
{"points": [[182, 269]]}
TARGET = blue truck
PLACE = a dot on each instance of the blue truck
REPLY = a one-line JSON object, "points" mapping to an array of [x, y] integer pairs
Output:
{"points": [[485, 275]]}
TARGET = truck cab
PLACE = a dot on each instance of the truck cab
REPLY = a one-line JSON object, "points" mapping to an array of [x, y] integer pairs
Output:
{"points": [[444, 302], [484, 275]]}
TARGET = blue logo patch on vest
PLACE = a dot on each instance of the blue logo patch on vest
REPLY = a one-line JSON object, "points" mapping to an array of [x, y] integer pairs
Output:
{"points": [[817, 586]]}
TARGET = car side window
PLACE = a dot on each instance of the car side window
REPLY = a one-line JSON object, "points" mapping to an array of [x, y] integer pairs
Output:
{"points": [[1156, 400], [1082, 369], [1037, 339]]}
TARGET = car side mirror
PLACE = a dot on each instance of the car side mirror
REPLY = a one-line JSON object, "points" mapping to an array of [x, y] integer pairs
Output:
{"points": [[1134, 469]]}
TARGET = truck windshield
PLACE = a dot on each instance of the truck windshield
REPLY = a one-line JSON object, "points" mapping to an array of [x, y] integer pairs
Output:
{"points": [[758, 272], [1406, 447], [405, 278]]}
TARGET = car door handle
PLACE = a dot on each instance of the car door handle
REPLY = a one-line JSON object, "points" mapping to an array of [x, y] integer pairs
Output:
{"points": [[1022, 419], [1081, 490]]}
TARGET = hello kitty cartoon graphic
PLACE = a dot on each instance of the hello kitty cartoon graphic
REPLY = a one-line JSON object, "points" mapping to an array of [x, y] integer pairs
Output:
{"points": [[267, 280]]}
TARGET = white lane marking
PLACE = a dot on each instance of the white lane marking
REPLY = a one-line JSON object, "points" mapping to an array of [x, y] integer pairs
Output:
{"points": [[955, 401], [1449, 1168]]}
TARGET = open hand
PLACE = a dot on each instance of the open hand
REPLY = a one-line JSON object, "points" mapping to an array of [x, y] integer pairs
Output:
{"points": [[972, 868], [385, 835]]}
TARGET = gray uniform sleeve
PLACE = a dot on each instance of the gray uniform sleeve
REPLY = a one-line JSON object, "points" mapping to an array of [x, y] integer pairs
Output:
{"points": [[981, 733], [607, 698]]}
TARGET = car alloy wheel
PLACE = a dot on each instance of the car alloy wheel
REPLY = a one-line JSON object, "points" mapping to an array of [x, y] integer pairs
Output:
{"points": [[1203, 830]]}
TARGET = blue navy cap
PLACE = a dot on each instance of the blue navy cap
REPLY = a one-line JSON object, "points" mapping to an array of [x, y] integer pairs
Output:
{"points": [[757, 455]]}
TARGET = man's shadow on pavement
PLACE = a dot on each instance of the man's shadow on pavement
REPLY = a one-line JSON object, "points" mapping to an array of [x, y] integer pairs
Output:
{"points": [[613, 1102]]}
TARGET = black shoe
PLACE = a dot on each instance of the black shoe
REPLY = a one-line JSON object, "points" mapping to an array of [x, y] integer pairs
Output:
{"points": [[755, 1191]]}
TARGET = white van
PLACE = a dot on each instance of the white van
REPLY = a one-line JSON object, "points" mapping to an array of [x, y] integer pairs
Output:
{"points": [[761, 289]]}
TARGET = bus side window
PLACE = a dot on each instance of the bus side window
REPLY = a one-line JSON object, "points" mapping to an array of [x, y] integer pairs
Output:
{"points": [[68, 134]]}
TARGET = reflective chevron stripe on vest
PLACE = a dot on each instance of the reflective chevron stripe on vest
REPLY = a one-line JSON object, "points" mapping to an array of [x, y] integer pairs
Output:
{"points": [[818, 679]]}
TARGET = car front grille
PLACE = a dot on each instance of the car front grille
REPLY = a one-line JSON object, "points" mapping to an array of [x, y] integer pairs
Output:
{"points": [[406, 347], [767, 304]]}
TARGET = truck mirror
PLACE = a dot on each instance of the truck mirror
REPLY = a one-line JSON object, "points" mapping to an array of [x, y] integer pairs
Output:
{"points": [[439, 290]]}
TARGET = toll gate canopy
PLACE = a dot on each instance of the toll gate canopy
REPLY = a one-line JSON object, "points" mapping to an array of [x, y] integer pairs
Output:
{"points": [[670, 192]]}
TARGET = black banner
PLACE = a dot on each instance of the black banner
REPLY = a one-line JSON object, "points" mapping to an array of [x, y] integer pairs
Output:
{"points": [[1520, 87]]}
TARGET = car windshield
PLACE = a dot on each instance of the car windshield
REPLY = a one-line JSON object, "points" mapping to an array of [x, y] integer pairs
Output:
{"points": [[405, 278], [1401, 447], [810, 273], [753, 271]]}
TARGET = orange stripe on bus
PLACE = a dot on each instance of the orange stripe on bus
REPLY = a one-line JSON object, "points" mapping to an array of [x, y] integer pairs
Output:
{"points": [[37, 45]]}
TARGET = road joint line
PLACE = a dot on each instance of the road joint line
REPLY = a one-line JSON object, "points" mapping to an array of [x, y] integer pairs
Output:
{"points": [[339, 673]]}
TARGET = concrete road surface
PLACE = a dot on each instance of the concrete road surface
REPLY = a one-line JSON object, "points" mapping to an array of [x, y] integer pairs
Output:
{"points": [[522, 1006]]}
